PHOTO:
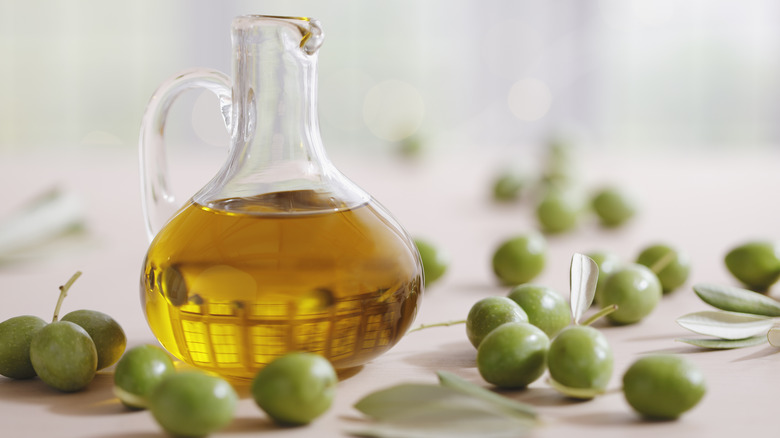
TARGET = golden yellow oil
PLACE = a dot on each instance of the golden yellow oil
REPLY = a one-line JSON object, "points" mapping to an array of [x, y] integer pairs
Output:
{"points": [[230, 287]]}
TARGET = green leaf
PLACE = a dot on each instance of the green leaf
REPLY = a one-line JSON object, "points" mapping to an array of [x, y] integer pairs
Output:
{"points": [[455, 425], [737, 300], [456, 408], [509, 406], [411, 400], [405, 399], [40, 221], [583, 275], [726, 325], [578, 393], [724, 344]]}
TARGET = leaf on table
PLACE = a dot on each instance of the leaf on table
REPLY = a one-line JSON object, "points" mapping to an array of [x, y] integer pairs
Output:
{"points": [[453, 409], [583, 275], [467, 424], [725, 344], [43, 219], [726, 325], [412, 400], [510, 406], [735, 299]]}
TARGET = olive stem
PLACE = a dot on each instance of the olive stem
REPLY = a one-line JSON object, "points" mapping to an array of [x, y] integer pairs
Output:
{"points": [[64, 293], [600, 314], [663, 262], [438, 324]]}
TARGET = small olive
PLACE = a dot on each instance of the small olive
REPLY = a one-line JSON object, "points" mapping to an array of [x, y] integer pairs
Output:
{"points": [[296, 388], [488, 313], [435, 261], [520, 259], [558, 211], [613, 207], [670, 265], [756, 264], [193, 404], [508, 186], [545, 307], [138, 372], [64, 356], [607, 263], [663, 386], [15, 336], [108, 336], [559, 167], [580, 358], [635, 289], [513, 355]]}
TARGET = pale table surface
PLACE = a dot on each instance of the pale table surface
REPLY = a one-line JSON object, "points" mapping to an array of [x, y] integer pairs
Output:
{"points": [[703, 203]]}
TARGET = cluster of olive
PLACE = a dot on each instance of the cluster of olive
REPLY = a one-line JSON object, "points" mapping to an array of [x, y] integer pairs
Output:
{"points": [[528, 332], [635, 287], [294, 389], [756, 264], [66, 353], [560, 205]]}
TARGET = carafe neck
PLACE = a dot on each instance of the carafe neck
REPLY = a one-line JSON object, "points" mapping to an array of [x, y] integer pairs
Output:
{"points": [[275, 91], [276, 144]]}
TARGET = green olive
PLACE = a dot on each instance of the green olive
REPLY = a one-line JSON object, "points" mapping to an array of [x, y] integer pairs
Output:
{"points": [[435, 261], [635, 289], [488, 313], [663, 386], [613, 207], [513, 355], [670, 265], [520, 259], [64, 356], [545, 307], [508, 186], [192, 404], [580, 358], [559, 167], [607, 263], [138, 372], [296, 388], [15, 336], [756, 264], [558, 211], [108, 336]]}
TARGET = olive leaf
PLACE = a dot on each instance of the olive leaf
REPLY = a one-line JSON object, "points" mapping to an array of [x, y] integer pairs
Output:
{"points": [[583, 275], [726, 325], [41, 220], [737, 300], [454, 425], [456, 408], [510, 406], [723, 344]]}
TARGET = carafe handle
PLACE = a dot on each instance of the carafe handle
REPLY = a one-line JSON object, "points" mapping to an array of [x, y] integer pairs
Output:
{"points": [[159, 203]]}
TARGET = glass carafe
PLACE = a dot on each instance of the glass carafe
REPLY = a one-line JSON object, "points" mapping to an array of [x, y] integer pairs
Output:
{"points": [[279, 252]]}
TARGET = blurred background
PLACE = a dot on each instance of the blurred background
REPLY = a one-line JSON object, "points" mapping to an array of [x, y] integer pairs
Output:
{"points": [[452, 74]]}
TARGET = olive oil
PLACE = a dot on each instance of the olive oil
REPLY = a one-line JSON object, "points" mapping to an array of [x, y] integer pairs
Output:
{"points": [[230, 286]]}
